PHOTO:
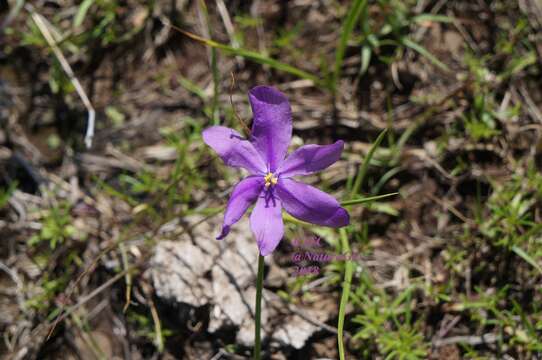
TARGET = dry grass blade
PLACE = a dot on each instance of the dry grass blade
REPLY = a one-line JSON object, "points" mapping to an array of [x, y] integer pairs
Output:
{"points": [[243, 124], [41, 23], [83, 300], [248, 54]]}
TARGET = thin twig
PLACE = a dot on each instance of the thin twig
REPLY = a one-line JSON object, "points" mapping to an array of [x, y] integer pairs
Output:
{"points": [[451, 209], [88, 297], [124, 257], [159, 340], [532, 109], [68, 293], [243, 124], [12, 274], [42, 26]]}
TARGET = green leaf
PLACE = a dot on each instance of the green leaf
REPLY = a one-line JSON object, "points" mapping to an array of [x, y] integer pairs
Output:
{"points": [[363, 168], [425, 53], [253, 56], [431, 17], [192, 87], [82, 12], [347, 28], [366, 52], [516, 65], [384, 208], [6, 194], [366, 199], [116, 117], [521, 253], [289, 218]]}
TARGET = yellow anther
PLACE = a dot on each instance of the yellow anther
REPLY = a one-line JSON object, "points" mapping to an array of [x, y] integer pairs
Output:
{"points": [[270, 180]]}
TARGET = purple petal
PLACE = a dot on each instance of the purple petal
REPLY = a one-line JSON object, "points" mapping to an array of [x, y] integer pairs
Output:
{"points": [[309, 204], [243, 195], [266, 223], [272, 125], [311, 158], [233, 149]]}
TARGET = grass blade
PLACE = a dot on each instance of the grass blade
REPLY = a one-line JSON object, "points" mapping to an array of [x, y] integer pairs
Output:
{"points": [[363, 169], [5, 194], [349, 266], [251, 55], [366, 53], [522, 254], [420, 19], [516, 65], [367, 199], [425, 53], [82, 12], [213, 62], [347, 28], [289, 218], [192, 87]]}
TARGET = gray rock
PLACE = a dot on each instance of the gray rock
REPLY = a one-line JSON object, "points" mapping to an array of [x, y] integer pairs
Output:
{"points": [[198, 270]]}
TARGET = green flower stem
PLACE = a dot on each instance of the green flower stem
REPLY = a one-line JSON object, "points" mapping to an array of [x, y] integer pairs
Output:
{"points": [[349, 270], [258, 320]]}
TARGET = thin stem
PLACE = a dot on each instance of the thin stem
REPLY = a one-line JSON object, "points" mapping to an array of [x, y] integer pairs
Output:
{"points": [[258, 320], [349, 270]]}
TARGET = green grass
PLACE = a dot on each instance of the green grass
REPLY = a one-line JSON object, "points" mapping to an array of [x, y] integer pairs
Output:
{"points": [[6, 194], [56, 228], [345, 245], [485, 270], [386, 325], [253, 56]]}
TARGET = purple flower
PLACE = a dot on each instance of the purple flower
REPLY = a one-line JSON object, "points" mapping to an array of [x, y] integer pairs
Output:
{"points": [[270, 184]]}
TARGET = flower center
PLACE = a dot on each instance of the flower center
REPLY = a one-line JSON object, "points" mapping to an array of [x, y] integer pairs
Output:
{"points": [[270, 180]]}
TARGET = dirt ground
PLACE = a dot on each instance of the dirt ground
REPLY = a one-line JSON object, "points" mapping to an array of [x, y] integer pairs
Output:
{"points": [[95, 242]]}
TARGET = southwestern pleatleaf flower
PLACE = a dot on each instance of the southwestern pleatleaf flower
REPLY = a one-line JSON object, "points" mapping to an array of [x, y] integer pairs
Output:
{"points": [[270, 184]]}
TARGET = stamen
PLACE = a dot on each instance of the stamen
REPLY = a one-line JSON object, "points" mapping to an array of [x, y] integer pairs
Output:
{"points": [[270, 180]]}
